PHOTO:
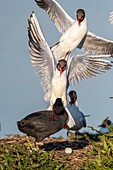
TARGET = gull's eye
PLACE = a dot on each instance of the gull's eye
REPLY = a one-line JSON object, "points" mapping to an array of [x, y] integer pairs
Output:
{"points": [[82, 17], [64, 68]]}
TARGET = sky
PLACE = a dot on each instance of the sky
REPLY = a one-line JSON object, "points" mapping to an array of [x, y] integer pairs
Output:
{"points": [[20, 90]]}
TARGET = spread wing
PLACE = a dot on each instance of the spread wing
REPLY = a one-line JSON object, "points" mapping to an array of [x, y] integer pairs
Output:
{"points": [[41, 56], [84, 66], [96, 45], [56, 13], [111, 17]]}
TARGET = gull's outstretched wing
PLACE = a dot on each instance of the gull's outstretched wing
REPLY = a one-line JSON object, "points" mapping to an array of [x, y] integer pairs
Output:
{"points": [[111, 17], [96, 45], [57, 14], [85, 66], [41, 56]]}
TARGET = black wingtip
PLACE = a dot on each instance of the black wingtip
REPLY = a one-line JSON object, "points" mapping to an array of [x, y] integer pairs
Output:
{"points": [[32, 14]]}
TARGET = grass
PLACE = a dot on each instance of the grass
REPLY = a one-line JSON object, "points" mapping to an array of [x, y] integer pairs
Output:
{"points": [[100, 155], [21, 157], [97, 155]]}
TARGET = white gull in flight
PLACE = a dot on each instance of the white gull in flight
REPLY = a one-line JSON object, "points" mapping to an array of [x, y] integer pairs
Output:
{"points": [[75, 35]]}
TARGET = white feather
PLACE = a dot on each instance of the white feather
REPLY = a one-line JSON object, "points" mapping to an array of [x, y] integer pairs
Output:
{"points": [[111, 17], [57, 14]]}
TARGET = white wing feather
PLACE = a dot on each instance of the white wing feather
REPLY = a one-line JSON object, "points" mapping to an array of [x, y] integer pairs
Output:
{"points": [[111, 17], [41, 56], [96, 45], [85, 66], [57, 14]]}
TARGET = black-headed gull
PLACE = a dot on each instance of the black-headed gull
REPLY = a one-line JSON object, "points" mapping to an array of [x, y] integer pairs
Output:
{"points": [[77, 115], [82, 39], [54, 74], [105, 126], [54, 83], [38, 124]]}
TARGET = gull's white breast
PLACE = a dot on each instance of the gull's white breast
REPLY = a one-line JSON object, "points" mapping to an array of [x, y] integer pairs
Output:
{"points": [[77, 116], [70, 39], [58, 87]]}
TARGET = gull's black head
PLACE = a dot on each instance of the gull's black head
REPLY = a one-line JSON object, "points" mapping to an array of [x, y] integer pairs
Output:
{"points": [[61, 66], [106, 122], [109, 122], [73, 96], [80, 15]]}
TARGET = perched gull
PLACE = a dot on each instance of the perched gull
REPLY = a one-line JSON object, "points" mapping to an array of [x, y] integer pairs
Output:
{"points": [[55, 83], [38, 124], [77, 115], [74, 35], [105, 126]]}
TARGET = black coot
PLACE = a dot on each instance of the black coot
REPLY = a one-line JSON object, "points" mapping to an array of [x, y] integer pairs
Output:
{"points": [[40, 126]]}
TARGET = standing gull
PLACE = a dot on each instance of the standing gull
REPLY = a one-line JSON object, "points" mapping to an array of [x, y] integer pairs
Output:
{"points": [[77, 115], [106, 125]]}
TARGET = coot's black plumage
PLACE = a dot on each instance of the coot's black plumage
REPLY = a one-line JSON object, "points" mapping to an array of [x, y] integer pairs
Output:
{"points": [[40, 126]]}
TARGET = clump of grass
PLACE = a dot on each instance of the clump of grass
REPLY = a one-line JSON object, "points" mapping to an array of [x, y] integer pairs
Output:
{"points": [[21, 157], [100, 155]]}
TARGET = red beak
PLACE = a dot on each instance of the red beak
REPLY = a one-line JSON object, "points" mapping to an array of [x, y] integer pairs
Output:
{"points": [[79, 21], [61, 71]]}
